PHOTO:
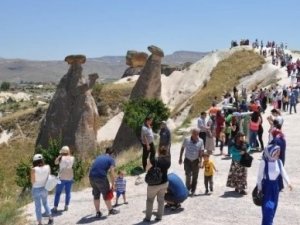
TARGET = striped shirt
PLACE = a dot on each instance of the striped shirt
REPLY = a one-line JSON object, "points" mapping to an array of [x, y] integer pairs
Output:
{"points": [[192, 148], [120, 184]]}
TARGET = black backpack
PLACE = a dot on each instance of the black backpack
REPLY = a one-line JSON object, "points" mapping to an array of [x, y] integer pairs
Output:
{"points": [[154, 175]]}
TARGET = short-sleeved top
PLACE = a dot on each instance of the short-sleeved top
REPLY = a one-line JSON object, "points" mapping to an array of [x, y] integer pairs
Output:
{"points": [[120, 184], [148, 133], [208, 168], [164, 163], [41, 174], [101, 166], [192, 148], [202, 124], [177, 187]]}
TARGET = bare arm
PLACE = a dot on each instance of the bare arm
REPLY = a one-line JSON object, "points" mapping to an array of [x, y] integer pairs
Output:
{"points": [[112, 176], [32, 176], [57, 160]]}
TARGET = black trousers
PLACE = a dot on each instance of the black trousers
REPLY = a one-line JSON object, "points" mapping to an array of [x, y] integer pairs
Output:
{"points": [[146, 153], [209, 180], [191, 169], [202, 135]]}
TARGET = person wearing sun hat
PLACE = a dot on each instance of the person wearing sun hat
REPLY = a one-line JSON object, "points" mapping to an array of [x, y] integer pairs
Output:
{"points": [[65, 162], [38, 176], [268, 182]]}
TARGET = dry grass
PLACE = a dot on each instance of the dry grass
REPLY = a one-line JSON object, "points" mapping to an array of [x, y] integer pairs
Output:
{"points": [[29, 121], [10, 156], [224, 77]]}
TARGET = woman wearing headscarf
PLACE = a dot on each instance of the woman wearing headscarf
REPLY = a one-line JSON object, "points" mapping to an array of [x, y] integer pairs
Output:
{"points": [[237, 177], [268, 182]]}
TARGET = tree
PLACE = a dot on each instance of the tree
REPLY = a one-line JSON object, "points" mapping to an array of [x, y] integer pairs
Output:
{"points": [[5, 86], [135, 112]]}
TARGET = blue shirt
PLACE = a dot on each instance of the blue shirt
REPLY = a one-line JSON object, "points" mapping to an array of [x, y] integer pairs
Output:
{"points": [[101, 166], [177, 187]]}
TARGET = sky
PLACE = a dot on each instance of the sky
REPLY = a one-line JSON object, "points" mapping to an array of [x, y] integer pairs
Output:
{"points": [[52, 29]]}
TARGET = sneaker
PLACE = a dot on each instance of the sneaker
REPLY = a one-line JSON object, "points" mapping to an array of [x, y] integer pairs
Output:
{"points": [[126, 203], [206, 192], [167, 206], [157, 219], [54, 210], [211, 189], [243, 192], [98, 215], [50, 221], [113, 212], [146, 220], [66, 208]]}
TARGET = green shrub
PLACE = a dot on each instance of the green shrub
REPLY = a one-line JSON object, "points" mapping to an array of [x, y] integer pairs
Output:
{"points": [[5, 86], [137, 110], [23, 174]]}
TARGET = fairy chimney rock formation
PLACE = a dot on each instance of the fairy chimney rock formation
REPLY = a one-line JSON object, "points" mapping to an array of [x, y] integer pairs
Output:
{"points": [[147, 86], [149, 83], [136, 61], [72, 113]]}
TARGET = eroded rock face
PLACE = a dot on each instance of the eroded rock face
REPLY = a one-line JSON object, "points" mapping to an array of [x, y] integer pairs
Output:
{"points": [[136, 61], [147, 86], [72, 112]]}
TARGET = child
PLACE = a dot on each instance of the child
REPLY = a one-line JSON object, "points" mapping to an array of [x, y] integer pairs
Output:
{"points": [[209, 169], [222, 139], [120, 185]]}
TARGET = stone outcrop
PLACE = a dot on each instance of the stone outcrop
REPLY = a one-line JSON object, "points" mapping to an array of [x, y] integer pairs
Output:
{"points": [[72, 112], [147, 86], [136, 61]]}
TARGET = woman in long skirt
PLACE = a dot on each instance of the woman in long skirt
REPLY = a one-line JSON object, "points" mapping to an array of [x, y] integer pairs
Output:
{"points": [[237, 177]]}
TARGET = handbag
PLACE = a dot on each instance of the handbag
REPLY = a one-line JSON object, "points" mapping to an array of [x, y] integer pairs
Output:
{"points": [[154, 175], [51, 182], [246, 160], [257, 197]]}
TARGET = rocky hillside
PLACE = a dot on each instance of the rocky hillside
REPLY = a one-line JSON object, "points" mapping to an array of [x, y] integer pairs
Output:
{"points": [[108, 67]]}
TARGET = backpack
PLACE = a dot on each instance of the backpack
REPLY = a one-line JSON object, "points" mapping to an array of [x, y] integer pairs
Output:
{"points": [[154, 175]]}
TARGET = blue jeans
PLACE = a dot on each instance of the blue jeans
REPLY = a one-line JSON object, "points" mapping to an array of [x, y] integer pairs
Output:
{"points": [[67, 184], [40, 195], [252, 138]]}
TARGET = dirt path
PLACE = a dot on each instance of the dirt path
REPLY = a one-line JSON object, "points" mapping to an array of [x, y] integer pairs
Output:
{"points": [[223, 207]]}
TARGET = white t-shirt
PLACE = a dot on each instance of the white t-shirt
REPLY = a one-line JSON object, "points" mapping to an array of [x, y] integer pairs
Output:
{"points": [[148, 134], [41, 175]]}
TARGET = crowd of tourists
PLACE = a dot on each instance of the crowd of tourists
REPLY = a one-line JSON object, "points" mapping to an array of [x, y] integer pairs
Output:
{"points": [[235, 126]]}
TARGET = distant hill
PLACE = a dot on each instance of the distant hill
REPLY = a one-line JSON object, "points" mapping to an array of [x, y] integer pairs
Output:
{"points": [[108, 67]]}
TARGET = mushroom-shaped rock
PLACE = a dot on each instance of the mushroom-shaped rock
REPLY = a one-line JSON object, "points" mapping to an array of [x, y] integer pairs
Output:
{"points": [[75, 59]]}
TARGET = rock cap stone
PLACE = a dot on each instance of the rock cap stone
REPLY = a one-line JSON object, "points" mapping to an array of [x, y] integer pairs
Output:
{"points": [[156, 50], [75, 59]]}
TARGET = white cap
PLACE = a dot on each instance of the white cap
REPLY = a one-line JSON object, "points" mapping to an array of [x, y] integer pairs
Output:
{"points": [[37, 157]]}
